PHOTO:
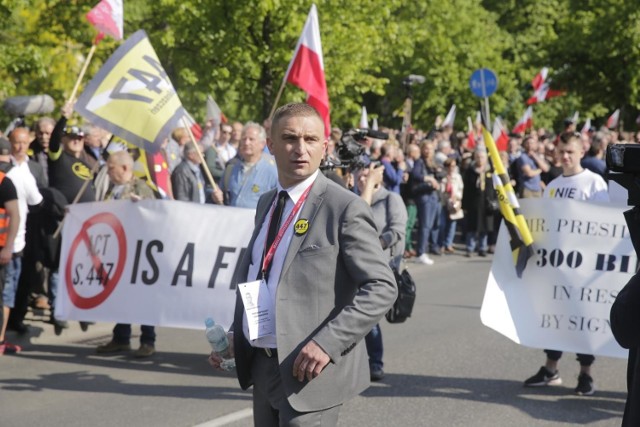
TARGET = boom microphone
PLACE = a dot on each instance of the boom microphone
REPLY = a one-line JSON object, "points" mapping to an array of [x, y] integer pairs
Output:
{"points": [[26, 105]]}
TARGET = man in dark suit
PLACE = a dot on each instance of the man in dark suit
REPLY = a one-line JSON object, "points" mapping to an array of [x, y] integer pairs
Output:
{"points": [[322, 285]]}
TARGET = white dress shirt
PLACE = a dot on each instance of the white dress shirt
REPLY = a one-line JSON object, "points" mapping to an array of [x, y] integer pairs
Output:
{"points": [[295, 193]]}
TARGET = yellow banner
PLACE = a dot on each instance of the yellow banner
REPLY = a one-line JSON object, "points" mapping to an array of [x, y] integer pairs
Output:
{"points": [[132, 96]]}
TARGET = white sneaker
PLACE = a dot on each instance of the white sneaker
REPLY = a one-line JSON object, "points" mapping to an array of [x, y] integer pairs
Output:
{"points": [[424, 259]]}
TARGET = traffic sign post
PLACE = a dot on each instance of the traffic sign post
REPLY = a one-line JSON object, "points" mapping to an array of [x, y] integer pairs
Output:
{"points": [[484, 83]]}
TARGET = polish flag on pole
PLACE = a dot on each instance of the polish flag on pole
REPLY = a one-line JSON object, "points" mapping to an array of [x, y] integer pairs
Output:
{"points": [[544, 92], [500, 135], [525, 122], [364, 120], [471, 136], [306, 69], [107, 18], [540, 78], [195, 128], [451, 117], [612, 121], [586, 127]]}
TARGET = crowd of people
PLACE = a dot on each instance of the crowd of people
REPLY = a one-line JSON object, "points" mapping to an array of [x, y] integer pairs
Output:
{"points": [[431, 193]]}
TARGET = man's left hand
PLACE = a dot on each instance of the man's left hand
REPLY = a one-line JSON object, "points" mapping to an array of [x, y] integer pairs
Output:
{"points": [[310, 362]]}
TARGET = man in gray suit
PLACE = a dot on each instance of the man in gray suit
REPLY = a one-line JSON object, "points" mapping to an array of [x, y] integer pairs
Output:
{"points": [[321, 286], [187, 179]]}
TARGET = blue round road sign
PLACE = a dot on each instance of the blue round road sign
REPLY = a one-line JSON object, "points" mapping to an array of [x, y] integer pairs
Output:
{"points": [[483, 82]]}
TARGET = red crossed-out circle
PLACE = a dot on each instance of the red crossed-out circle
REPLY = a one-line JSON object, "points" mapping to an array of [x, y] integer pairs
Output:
{"points": [[110, 283]]}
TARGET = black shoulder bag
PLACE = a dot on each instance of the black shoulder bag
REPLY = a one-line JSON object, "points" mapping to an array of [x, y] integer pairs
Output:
{"points": [[403, 306]]}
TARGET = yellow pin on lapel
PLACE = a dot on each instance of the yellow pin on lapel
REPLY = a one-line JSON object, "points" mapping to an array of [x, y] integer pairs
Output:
{"points": [[255, 188], [300, 227]]}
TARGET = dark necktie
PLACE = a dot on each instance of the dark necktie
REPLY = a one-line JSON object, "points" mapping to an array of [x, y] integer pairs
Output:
{"points": [[274, 226]]}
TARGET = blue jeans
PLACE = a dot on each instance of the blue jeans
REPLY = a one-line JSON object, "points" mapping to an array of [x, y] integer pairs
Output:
{"points": [[447, 229], [373, 340], [122, 334], [54, 279], [472, 240], [428, 213], [12, 276]]}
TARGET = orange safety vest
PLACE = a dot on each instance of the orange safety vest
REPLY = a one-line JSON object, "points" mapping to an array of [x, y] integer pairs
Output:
{"points": [[4, 220]]}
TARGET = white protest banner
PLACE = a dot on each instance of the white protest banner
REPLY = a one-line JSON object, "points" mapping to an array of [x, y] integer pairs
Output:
{"points": [[153, 262], [582, 257]]}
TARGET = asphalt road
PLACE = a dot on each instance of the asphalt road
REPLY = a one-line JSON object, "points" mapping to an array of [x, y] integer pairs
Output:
{"points": [[443, 368]]}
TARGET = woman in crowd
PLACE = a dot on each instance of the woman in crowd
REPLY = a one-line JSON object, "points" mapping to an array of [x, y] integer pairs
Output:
{"points": [[479, 203], [390, 216], [451, 210]]}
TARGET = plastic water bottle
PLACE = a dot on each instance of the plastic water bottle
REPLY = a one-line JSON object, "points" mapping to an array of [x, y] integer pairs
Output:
{"points": [[217, 337]]}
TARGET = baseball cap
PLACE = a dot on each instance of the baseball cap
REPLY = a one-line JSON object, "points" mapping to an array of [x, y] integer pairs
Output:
{"points": [[5, 147], [73, 130]]}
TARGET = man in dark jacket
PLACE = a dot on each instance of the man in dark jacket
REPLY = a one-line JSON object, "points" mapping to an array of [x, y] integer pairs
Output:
{"points": [[625, 324]]}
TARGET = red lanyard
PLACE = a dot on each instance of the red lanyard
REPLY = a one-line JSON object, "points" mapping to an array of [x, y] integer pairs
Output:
{"points": [[274, 246]]}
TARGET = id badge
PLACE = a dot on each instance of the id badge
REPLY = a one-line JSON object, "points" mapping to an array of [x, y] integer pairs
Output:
{"points": [[258, 308]]}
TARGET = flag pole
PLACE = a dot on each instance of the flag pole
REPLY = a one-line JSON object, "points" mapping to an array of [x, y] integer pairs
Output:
{"points": [[203, 162], [275, 104], [74, 92]]}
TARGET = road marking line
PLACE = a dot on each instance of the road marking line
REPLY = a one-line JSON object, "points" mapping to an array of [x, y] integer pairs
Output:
{"points": [[228, 419]]}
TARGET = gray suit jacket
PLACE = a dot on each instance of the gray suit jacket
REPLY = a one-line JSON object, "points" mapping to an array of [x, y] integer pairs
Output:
{"points": [[184, 183], [334, 287]]}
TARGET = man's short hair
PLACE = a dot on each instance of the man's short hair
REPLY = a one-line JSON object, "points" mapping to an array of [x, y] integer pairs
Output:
{"points": [[295, 109], [567, 137], [121, 157], [262, 134], [188, 148], [45, 121]]}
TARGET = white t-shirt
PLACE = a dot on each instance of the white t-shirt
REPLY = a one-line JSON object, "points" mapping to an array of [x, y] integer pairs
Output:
{"points": [[28, 194], [585, 185]]}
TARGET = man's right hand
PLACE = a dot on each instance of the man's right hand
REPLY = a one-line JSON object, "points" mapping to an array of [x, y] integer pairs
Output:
{"points": [[217, 196], [215, 359]]}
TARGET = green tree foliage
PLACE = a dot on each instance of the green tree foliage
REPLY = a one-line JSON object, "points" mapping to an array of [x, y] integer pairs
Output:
{"points": [[239, 51]]}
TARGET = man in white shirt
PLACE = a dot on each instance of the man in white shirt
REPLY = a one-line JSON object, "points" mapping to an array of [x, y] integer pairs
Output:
{"points": [[579, 184], [28, 195]]}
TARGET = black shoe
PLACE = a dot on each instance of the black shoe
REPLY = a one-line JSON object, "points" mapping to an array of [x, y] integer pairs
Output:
{"points": [[585, 385], [59, 325], [482, 253], [377, 374], [542, 378], [85, 325], [19, 327]]}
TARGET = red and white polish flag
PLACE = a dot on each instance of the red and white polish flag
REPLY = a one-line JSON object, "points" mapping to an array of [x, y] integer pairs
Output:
{"points": [[107, 18], [306, 69], [499, 135], [540, 78], [612, 121], [525, 122], [544, 92], [471, 137], [586, 127]]}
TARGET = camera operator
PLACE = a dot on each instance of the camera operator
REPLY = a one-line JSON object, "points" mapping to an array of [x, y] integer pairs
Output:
{"points": [[625, 324], [390, 216]]}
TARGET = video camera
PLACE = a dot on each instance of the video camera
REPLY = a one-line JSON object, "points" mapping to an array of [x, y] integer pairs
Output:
{"points": [[350, 153], [623, 165]]}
